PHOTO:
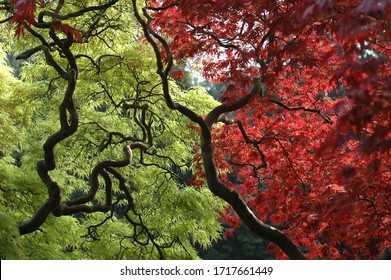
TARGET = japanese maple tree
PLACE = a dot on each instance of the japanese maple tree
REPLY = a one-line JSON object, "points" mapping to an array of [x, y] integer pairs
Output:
{"points": [[93, 164], [303, 132]]}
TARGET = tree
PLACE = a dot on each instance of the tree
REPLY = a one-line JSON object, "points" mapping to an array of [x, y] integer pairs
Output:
{"points": [[316, 167], [299, 145], [93, 164]]}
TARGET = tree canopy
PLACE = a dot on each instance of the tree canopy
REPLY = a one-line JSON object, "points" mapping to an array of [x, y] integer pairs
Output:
{"points": [[105, 155]]}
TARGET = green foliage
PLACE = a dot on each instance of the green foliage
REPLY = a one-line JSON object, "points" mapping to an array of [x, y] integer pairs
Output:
{"points": [[10, 243], [7, 106], [110, 75]]}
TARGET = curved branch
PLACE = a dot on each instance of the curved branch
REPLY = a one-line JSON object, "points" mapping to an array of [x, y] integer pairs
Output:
{"points": [[211, 173], [216, 38], [163, 8], [78, 204], [130, 206], [213, 115], [94, 183], [47, 207], [55, 14], [69, 124], [318, 111], [255, 143], [6, 19], [163, 71], [239, 205], [28, 53]]}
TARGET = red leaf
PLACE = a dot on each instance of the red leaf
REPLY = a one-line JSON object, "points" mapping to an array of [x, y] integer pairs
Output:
{"points": [[23, 13], [66, 28], [177, 74]]}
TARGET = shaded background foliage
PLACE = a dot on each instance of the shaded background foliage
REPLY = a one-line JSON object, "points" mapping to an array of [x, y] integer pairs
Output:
{"points": [[243, 245]]}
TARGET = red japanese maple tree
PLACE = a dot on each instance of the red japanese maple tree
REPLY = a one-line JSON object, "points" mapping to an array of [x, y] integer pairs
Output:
{"points": [[308, 148], [300, 145]]}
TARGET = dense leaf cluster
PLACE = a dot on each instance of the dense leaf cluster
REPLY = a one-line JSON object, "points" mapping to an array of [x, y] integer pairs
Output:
{"points": [[113, 158]]}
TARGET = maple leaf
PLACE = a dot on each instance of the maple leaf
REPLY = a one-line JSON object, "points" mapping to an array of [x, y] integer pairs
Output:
{"points": [[66, 28], [178, 74], [23, 13]]}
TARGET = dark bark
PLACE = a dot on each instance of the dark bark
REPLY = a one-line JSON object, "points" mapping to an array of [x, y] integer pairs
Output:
{"points": [[211, 173]]}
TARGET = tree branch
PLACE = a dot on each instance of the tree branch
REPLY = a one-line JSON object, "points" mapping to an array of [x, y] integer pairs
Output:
{"points": [[69, 124], [55, 14], [213, 115], [211, 173], [318, 111]]}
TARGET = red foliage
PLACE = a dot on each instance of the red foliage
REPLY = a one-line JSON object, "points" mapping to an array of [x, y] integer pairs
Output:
{"points": [[66, 28], [326, 185], [177, 74], [23, 13]]}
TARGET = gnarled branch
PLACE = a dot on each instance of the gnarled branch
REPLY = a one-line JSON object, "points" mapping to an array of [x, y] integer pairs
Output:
{"points": [[211, 173]]}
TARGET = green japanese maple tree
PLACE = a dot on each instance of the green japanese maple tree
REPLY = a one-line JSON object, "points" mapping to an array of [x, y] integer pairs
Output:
{"points": [[92, 162]]}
